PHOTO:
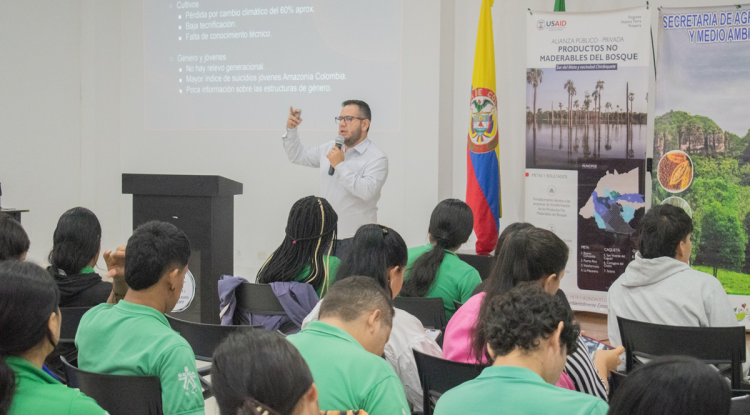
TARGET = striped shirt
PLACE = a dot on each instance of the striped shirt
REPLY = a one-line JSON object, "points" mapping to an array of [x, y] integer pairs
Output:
{"points": [[582, 372]]}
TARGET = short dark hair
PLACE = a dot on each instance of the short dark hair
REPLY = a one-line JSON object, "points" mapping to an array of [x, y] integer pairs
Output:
{"points": [[28, 296], [76, 241], [154, 248], [350, 298], [662, 229], [375, 249], [258, 367], [672, 385], [13, 239], [523, 317], [364, 109]]}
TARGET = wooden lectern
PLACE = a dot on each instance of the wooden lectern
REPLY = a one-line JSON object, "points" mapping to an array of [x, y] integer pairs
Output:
{"points": [[203, 207]]}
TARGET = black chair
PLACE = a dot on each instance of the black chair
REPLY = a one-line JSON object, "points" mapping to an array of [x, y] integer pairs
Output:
{"points": [[430, 311], [260, 299], [740, 405], [66, 347], [615, 381], [116, 394], [439, 375], [457, 305], [714, 345], [482, 263], [204, 338], [71, 318]]}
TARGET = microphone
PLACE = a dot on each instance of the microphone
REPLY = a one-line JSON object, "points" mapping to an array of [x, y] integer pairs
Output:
{"points": [[339, 141]]}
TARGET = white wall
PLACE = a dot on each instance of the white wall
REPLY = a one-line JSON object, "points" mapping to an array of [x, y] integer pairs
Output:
{"points": [[71, 121]]}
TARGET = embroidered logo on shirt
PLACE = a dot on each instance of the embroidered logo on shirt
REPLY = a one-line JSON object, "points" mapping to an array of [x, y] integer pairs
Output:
{"points": [[188, 378]]}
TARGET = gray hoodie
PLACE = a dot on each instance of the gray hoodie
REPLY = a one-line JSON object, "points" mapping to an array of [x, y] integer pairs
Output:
{"points": [[667, 291]]}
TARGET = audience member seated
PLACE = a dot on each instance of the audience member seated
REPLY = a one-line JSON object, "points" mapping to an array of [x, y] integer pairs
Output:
{"points": [[30, 329], [528, 335], [380, 253], [660, 287], [504, 235], [258, 371], [672, 385], [14, 242], [344, 349], [434, 270], [305, 253], [75, 250], [529, 256], [133, 337]]}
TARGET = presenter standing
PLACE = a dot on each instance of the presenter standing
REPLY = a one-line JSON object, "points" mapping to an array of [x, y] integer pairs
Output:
{"points": [[360, 168]]}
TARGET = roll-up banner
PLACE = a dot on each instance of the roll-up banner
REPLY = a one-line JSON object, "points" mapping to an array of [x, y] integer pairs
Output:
{"points": [[701, 135], [586, 111]]}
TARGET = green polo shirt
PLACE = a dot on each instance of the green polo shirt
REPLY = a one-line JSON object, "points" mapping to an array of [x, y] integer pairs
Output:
{"points": [[136, 340], [333, 266], [347, 375], [518, 391], [39, 393], [455, 279]]}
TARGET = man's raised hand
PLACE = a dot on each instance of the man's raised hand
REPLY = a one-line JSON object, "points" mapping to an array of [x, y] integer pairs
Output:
{"points": [[294, 118]]}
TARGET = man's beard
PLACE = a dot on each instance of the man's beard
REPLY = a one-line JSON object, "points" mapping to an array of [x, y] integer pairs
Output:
{"points": [[351, 141]]}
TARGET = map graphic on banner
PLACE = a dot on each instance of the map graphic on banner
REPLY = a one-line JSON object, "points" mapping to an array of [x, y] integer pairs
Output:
{"points": [[587, 83], [701, 136]]}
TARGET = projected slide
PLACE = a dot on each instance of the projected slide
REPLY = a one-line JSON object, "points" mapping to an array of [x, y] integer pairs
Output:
{"points": [[240, 64]]}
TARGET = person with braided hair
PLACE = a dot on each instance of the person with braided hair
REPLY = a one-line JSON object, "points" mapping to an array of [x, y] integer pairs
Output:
{"points": [[434, 270], [305, 253]]}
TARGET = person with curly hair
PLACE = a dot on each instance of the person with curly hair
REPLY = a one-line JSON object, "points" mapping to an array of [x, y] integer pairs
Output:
{"points": [[529, 335]]}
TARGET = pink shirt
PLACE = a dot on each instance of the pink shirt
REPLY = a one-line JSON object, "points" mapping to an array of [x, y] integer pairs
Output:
{"points": [[457, 339]]}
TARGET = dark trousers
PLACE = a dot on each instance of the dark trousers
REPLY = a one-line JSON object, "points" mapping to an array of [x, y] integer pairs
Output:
{"points": [[342, 247]]}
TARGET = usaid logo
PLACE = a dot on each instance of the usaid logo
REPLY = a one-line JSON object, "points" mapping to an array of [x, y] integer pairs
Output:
{"points": [[551, 24]]}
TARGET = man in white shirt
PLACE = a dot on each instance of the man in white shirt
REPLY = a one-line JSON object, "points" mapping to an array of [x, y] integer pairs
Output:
{"points": [[360, 168]]}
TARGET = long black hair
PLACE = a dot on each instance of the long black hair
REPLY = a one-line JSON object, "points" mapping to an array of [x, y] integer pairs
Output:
{"points": [[672, 385], [526, 256], [310, 232], [451, 224], [374, 251], [76, 240], [28, 296], [258, 368]]}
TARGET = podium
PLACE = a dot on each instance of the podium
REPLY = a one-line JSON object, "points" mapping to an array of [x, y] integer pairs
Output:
{"points": [[203, 208]]}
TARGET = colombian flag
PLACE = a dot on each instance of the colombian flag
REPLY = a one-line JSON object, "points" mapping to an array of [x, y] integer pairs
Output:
{"points": [[483, 156]]}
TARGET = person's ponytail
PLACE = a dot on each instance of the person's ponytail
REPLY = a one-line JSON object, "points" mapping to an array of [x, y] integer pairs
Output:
{"points": [[450, 227], [7, 386]]}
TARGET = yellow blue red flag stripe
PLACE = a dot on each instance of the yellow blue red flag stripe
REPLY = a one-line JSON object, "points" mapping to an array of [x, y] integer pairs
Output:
{"points": [[483, 154]]}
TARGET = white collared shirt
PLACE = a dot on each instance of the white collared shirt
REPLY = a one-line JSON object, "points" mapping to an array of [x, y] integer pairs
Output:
{"points": [[354, 189]]}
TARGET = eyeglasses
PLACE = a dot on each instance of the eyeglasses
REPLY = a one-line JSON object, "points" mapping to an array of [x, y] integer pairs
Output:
{"points": [[347, 120]]}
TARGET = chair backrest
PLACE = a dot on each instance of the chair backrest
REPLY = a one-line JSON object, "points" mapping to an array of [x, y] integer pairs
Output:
{"points": [[259, 299], [117, 394], [204, 338], [740, 405], [615, 381], [430, 311], [71, 317], [715, 345], [482, 263], [457, 305], [439, 375]]}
